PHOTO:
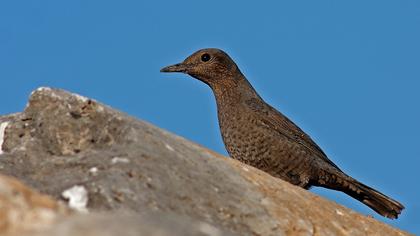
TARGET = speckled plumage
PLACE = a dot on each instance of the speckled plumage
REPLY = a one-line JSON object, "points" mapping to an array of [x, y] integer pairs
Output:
{"points": [[257, 134]]}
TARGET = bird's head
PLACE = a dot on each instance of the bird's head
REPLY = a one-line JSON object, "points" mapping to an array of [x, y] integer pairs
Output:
{"points": [[212, 66]]}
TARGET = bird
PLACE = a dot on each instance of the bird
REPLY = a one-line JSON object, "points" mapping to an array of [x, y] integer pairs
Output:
{"points": [[257, 134]]}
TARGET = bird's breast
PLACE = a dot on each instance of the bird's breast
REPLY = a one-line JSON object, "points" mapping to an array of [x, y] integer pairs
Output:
{"points": [[245, 138]]}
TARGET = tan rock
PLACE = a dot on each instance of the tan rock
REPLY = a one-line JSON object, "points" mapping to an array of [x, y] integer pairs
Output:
{"points": [[24, 209]]}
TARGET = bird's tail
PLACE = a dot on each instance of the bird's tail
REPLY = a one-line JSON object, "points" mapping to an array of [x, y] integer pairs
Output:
{"points": [[379, 202]]}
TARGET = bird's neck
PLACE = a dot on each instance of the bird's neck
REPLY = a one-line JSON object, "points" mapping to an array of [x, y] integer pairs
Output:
{"points": [[232, 92]]}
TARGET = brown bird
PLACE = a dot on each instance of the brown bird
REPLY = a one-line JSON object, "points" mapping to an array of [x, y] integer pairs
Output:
{"points": [[257, 134]]}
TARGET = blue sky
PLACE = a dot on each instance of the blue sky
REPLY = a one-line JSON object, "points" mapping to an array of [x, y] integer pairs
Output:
{"points": [[347, 72]]}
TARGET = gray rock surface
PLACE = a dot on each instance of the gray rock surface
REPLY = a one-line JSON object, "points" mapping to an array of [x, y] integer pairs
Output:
{"points": [[125, 224], [62, 140]]}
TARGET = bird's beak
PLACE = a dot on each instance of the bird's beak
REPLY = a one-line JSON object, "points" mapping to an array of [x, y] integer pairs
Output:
{"points": [[180, 67]]}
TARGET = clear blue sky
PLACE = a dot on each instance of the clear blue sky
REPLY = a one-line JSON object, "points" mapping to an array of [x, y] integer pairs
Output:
{"points": [[347, 72]]}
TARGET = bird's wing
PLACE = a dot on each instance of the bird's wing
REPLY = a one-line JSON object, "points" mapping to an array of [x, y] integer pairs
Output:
{"points": [[279, 122]]}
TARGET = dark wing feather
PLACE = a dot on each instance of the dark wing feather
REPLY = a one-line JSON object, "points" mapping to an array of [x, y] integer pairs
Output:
{"points": [[277, 121]]}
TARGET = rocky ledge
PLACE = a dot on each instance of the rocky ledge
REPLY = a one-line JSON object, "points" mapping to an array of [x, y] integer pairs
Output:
{"points": [[93, 170]]}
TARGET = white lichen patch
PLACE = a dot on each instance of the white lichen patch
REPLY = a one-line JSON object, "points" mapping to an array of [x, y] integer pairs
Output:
{"points": [[77, 197], [338, 212], [2, 131], [48, 91], [93, 170], [80, 97], [116, 160], [169, 147], [41, 89]]}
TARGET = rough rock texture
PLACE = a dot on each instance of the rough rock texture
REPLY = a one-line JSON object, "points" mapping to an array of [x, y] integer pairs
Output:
{"points": [[62, 140], [23, 209], [124, 224]]}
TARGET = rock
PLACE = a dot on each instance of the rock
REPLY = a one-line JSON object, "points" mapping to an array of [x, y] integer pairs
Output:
{"points": [[126, 224], [23, 209], [62, 140], [26, 212]]}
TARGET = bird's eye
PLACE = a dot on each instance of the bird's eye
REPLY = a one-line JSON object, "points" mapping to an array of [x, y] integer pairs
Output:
{"points": [[205, 57]]}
